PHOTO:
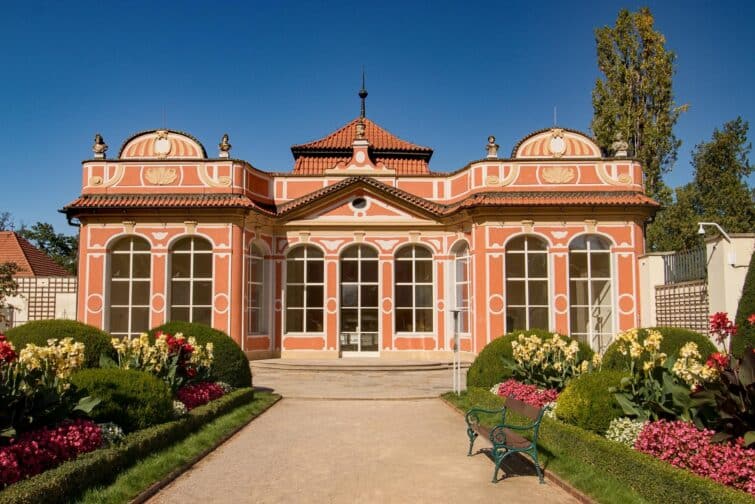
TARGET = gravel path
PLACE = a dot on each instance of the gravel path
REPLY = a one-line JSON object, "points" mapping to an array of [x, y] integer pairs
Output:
{"points": [[354, 452]]}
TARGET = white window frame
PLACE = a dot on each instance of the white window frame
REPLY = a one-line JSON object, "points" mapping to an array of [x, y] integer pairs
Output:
{"points": [[462, 257], [191, 279], [590, 337], [413, 285], [129, 282], [304, 284], [527, 279], [256, 253]]}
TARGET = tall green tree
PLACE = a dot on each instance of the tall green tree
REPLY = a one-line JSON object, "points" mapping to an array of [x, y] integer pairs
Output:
{"points": [[8, 285], [634, 98], [61, 248], [675, 226]]}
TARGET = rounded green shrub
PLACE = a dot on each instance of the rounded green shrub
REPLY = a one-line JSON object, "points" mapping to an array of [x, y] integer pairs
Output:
{"points": [[745, 331], [488, 369], [587, 403], [37, 332], [230, 364], [132, 399], [674, 338]]}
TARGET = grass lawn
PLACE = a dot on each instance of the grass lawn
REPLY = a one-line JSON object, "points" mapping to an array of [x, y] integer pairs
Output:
{"points": [[139, 477], [587, 478]]}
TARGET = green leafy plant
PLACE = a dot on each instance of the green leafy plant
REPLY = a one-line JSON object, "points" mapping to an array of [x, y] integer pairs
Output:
{"points": [[587, 402], [96, 342]]}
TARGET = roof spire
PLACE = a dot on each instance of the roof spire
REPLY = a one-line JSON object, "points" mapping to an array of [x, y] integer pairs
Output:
{"points": [[362, 95]]}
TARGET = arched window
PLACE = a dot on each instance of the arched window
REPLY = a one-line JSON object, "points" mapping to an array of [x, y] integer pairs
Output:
{"points": [[256, 306], [526, 283], [461, 286], [191, 280], [359, 299], [304, 290], [129, 287], [414, 289], [590, 290]]}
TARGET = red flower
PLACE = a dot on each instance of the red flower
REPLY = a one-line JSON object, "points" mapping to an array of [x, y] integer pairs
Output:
{"points": [[721, 326], [7, 354], [718, 360], [751, 319], [197, 394]]}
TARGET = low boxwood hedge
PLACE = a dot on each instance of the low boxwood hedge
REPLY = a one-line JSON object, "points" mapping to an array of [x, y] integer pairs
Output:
{"points": [[488, 369], [674, 338], [132, 399], [37, 332], [654, 480], [230, 365], [587, 403], [70, 479]]}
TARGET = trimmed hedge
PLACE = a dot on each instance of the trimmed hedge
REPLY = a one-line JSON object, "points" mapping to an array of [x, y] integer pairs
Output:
{"points": [[587, 403], [488, 369], [745, 331], [230, 365], [132, 399], [674, 338], [38, 332], [654, 480], [100, 467]]}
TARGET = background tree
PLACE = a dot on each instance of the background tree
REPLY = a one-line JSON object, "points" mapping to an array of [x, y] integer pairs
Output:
{"points": [[6, 221], [8, 285], [61, 248], [675, 226], [635, 99]]}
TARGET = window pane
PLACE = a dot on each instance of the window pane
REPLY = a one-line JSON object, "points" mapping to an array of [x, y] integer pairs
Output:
{"points": [[314, 320], [179, 314], [404, 252], [182, 244], [314, 296], [597, 243], [578, 265], [140, 294], [516, 243], [404, 296], [140, 320], [538, 318], [515, 265], [298, 252], [349, 295], [202, 265], [295, 271], [352, 252], [423, 295], [515, 292], [369, 271], [369, 295], [295, 295], [200, 244], [578, 243], [462, 270], [601, 292], [578, 292], [602, 323], [368, 252], [179, 294], [464, 321], [601, 265], [462, 296], [180, 265], [349, 271], [536, 244], [579, 320], [538, 292], [119, 320], [202, 316], [294, 320], [369, 320], [314, 271], [202, 293], [141, 266], [119, 265], [256, 270], [515, 319], [349, 319], [403, 271], [537, 265], [118, 293], [424, 321], [422, 252], [424, 271], [314, 252], [124, 245], [404, 321]]}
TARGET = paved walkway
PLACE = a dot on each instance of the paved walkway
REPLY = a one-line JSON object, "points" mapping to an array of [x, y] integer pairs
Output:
{"points": [[353, 452]]}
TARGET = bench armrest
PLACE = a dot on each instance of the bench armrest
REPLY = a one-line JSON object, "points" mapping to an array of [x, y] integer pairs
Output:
{"points": [[521, 427], [472, 416]]}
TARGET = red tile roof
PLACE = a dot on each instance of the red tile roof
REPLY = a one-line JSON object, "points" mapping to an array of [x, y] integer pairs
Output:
{"points": [[379, 139], [30, 260], [117, 201]]}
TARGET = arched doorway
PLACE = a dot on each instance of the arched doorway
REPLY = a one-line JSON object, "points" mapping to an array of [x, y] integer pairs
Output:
{"points": [[359, 287]]}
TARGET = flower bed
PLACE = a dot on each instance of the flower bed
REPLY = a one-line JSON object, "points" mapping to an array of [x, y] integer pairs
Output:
{"points": [[36, 451], [682, 445], [197, 394], [527, 393]]}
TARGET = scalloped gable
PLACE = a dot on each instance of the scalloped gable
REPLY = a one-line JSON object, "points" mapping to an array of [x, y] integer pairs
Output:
{"points": [[556, 143], [162, 144]]}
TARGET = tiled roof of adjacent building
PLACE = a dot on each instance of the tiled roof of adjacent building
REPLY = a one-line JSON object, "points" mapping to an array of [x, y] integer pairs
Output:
{"points": [[319, 155], [116, 201], [30, 260]]}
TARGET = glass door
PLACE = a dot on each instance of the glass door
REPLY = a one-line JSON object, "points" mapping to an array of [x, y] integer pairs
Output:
{"points": [[359, 302]]}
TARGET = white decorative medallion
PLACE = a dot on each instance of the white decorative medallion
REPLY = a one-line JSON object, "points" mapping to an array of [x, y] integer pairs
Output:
{"points": [[162, 144], [557, 145]]}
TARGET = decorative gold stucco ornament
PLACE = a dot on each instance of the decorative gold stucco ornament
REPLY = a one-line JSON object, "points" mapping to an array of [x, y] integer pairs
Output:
{"points": [[161, 175], [559, 174]]}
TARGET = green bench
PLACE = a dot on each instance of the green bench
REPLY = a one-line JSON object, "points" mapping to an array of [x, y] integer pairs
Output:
{"points": [[505, 437]]}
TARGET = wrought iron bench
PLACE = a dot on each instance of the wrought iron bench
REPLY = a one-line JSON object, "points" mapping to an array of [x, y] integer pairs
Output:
{"points": [[504, 436]]}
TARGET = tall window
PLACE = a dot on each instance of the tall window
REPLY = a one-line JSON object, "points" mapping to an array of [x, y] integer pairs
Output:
{"points": [[129, 287], [359, 299], [256, 308], [526, 283], [414, 289], [304, 289], [191, 280], [461, 291], [590, 290]]}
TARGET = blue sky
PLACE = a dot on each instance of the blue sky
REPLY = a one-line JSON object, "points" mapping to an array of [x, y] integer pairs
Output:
{"points": [[272, 74]]}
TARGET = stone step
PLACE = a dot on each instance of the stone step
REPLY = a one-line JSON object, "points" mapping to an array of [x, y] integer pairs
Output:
{"points": [[353, 365]]}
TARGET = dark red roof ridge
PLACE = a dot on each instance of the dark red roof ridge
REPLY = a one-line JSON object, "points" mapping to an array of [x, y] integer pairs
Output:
{"points": [[30, 260]]}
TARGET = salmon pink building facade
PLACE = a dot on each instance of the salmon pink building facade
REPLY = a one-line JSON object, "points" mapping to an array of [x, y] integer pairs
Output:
{"points": [[361, 249]]}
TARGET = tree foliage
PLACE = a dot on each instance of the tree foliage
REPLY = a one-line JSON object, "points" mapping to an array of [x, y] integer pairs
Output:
{"points": [[8, 285], [635, 99], [745, 330], [60, 247]]}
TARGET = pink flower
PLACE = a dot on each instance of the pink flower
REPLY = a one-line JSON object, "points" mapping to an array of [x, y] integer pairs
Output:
{"points": [[527, 393], [751, 319], [197, 394]]}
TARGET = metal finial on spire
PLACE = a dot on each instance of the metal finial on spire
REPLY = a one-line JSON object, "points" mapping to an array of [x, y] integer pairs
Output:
{"points": [[362, 95]]}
